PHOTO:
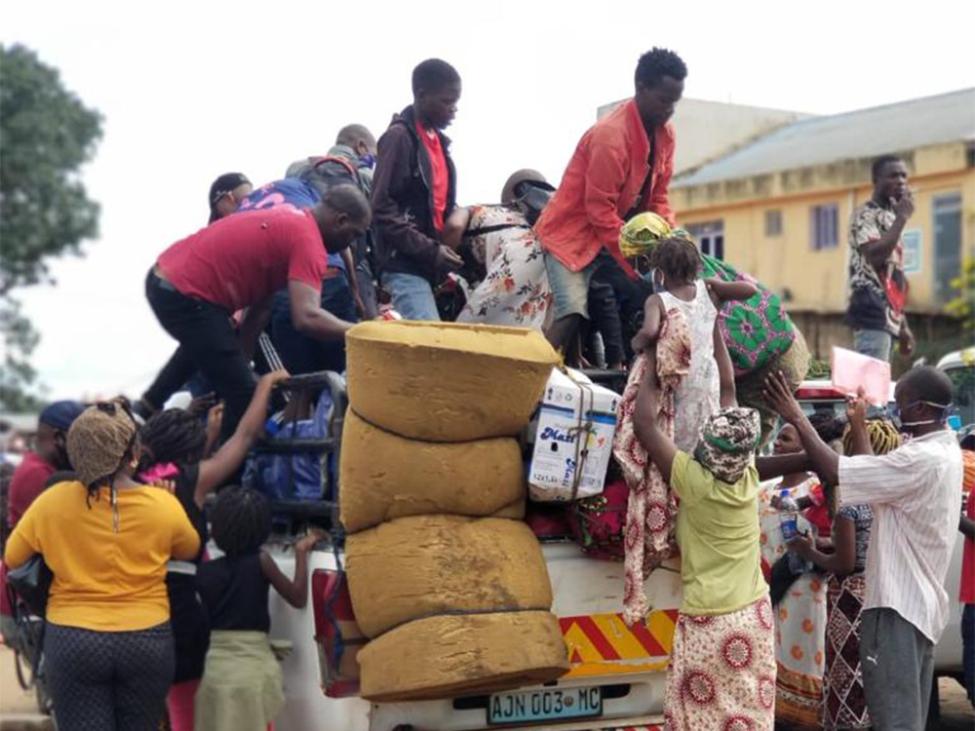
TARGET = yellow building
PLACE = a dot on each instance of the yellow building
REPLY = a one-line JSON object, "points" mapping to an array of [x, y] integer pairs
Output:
{"points": [[779, 206]]}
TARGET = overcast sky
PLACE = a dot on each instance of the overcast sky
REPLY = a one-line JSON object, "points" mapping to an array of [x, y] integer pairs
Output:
{"points": [[190, 90]]}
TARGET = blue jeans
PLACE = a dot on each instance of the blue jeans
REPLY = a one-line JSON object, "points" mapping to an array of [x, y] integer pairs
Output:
{"points": [[875, 343], [412, 296], [300, 353]]}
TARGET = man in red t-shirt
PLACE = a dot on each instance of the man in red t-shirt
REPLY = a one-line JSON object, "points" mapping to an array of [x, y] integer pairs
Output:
{"points": [[967, 592], [49, 455], [238, 263], [413, 192]]}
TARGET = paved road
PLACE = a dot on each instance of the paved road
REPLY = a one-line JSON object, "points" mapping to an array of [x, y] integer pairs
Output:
{"points": [[18, 712]]}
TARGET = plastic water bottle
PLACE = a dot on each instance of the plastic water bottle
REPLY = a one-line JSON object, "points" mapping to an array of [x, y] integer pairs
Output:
{"points": [[789, 524], [788, 519]]}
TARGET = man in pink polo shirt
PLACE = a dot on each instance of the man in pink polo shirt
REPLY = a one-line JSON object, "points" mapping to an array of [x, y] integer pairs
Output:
{"points": [[622, 166], [238, 263]]}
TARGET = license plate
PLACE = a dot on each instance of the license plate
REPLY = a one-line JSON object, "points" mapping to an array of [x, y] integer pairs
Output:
{"points": [[544, 705]]}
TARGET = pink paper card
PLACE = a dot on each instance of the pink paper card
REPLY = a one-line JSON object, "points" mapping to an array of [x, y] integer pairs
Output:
{"points": [[852, 371]]}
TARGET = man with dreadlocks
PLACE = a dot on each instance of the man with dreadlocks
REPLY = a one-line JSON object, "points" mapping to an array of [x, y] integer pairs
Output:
{"points": [[914, 493], [241, 688], [108, 647], [621, 166], [173, 444]]}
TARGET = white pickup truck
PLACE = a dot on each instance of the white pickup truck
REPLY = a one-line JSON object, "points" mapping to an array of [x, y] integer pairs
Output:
{"points": [[617, 675]]}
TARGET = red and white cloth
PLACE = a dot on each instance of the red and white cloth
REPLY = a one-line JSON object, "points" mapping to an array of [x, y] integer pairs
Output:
{"points": [[651, 516], [722, 672]]}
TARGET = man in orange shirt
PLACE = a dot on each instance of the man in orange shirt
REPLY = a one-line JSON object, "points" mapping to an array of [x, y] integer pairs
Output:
{"points": [[622, 166]]}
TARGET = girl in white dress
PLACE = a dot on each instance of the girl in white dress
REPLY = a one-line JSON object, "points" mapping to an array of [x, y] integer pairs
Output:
{"points": [[710, 382]]}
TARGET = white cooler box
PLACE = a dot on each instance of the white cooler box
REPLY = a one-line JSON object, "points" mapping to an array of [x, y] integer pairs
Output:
{"points": [[576, 423]]}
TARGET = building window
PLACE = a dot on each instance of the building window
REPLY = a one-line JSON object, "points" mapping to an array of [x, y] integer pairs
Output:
{"points": [[825, 227], [773, 223], [709, 237], [947, 244]]}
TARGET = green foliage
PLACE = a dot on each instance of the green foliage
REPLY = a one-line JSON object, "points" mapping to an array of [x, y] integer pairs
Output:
{"points": [[46, 134], [15, 369], [963, 306], [818, 370]]}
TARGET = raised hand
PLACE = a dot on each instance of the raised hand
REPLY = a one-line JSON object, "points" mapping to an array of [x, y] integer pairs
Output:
{"points": [[779, 396]]}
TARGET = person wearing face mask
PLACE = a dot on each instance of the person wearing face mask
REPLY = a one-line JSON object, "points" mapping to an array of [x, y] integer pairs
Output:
{"points": [[414, 192], [621, 167], [511, 285], [914, 492], [710, 382]]}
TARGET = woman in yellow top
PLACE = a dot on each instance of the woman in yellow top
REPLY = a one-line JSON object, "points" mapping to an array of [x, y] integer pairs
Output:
{"points": [[107, 646], [722, 671]]}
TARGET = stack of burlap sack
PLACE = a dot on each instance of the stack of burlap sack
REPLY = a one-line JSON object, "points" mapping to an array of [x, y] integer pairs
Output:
{"points": [[446, 580]]}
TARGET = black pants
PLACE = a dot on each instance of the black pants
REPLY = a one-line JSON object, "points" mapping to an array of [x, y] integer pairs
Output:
{"points": [[208, 342], [604, 318], [631, 295], [179, 369], [367, 289], [107, 681]]}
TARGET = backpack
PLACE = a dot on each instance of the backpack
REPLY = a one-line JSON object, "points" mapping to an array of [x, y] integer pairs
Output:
{"points": [[326, 172], [299, 476]]}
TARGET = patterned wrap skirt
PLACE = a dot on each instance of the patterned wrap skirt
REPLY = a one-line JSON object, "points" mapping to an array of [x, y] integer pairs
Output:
{"points": [[722, 672], [844, 705]]}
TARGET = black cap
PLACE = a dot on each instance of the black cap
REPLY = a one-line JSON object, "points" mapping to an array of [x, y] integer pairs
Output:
{"points": [[220, 187]]}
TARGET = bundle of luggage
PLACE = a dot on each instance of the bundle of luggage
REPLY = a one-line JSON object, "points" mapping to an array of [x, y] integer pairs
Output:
{"points": [[446, 579]]}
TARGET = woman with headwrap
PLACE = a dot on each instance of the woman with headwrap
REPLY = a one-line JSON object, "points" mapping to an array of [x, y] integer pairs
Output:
{"points": [[108, 648], [843, 704], [722, 671]]}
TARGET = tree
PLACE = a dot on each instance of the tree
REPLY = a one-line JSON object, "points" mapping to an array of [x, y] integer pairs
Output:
{"points": [[963, 306], [46, 134]]}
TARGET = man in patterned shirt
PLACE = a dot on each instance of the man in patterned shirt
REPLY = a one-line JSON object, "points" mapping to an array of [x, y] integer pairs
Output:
{"points": [[878, 287]]}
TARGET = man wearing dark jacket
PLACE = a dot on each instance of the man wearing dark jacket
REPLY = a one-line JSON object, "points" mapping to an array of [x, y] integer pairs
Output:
{"points": [[413, 193]]}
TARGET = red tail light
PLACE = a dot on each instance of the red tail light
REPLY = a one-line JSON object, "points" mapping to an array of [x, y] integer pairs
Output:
{"points": [[337, 634]]}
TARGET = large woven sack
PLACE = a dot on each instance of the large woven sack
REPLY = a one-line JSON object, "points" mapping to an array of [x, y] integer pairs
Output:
{"points": [[443, 564], [383, 476], [446, 382], [450, 656]]}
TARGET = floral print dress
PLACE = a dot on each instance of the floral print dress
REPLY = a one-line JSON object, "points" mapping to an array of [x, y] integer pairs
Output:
{"points": [[800, 621], [515, 289]]}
